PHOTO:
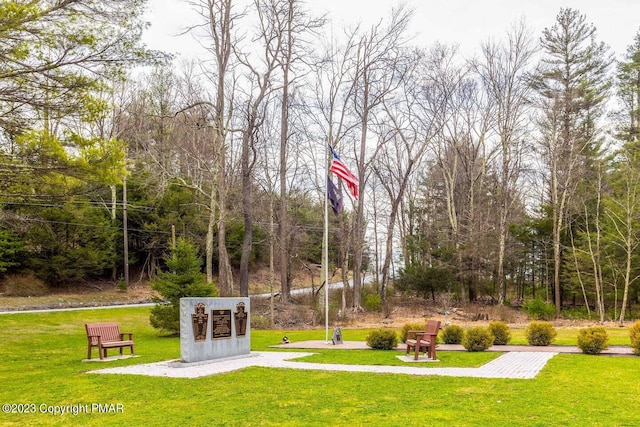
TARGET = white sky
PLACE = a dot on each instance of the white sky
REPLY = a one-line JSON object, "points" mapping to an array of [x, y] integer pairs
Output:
{"points": [[463, 22]]}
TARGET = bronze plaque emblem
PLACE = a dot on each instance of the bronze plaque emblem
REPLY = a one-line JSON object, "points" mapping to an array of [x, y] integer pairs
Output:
{"points": [[221, 323], [200, 320], [240, 318]]}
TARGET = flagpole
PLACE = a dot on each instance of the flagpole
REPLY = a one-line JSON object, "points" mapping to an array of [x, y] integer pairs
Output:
{"points": [[325, 246]]}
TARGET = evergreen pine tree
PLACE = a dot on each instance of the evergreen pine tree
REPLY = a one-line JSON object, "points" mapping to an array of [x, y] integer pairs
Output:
{"points": [[184, 278], [572, 86]]}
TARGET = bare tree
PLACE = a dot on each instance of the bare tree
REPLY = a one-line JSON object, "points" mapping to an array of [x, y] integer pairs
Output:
{"points": [[272, 27], [503, 69], [330, 112], [621, 209], [587, 241], [285, 65], [460, 153], [377, 72], [296, 26], [408, 130], [214, 32], [164, 124]]}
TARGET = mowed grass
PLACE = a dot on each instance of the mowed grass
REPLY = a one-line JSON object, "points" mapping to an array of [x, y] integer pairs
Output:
{"points": [[41, 364]]}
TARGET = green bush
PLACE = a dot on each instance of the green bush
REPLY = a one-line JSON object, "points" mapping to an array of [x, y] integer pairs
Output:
{"points": [[122, 285], [410, 327], [372, 302], [477, 338], [501, 333], [452, 334], [537, 309], [540, 333], [424, 280], [634, 335], [578, 313], [382, 339], [593, 340]]}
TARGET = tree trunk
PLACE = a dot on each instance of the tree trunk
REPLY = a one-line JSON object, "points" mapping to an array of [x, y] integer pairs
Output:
{"points": [[285, 289], [272, 273], [247, 216], [209, 238]]}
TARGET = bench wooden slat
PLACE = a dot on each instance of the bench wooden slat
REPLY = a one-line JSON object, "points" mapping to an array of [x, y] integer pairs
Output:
{"points": [[107, 335], [112, 344], [426, 340]]}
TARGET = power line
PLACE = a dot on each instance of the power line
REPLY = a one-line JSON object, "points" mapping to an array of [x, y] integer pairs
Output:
{"points": [[101, 205], [139, 208], [260, 242]]}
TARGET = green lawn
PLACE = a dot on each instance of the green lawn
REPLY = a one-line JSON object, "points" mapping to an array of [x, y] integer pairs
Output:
{"points": [[40, 364]]}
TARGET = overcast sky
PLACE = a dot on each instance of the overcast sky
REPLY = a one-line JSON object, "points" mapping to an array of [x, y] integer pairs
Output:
{"points": [[463, 22]]}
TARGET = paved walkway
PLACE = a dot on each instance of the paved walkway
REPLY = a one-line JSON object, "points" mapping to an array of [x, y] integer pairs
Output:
{"points": [[617, 350], [519, 361], [509, 365]]}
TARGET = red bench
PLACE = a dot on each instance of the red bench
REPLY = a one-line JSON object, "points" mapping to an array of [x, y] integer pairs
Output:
{"points": [[107, 335], [425, 340]]}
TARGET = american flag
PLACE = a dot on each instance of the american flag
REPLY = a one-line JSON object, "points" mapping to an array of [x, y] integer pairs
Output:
{"points": [[342, 172]]}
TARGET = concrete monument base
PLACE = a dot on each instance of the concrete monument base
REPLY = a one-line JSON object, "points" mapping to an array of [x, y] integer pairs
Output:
{"points": [[214, 328]]}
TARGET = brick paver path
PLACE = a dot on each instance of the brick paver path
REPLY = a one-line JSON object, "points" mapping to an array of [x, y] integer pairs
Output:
{"points": [[509, 365]]}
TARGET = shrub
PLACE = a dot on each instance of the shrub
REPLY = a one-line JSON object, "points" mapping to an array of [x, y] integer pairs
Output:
{"points": [[372, 302], [505, 314], [540, 333], [578, 313], [477, 339], [537, 309], [593, 340], [122, 285], [382, 339], [634, 335], [500, 332], [24, 285], [259, 321], [452, 334], [424, 280], [410, 327]]}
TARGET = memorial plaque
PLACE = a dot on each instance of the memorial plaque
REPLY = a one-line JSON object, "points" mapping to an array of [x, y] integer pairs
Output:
{"points": [[200, 320], [240, 318], [221, 323], [337, 336], [208, 328]]}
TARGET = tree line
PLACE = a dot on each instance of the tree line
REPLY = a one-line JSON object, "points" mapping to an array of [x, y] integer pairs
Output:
{"points": [[503, 177]]}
